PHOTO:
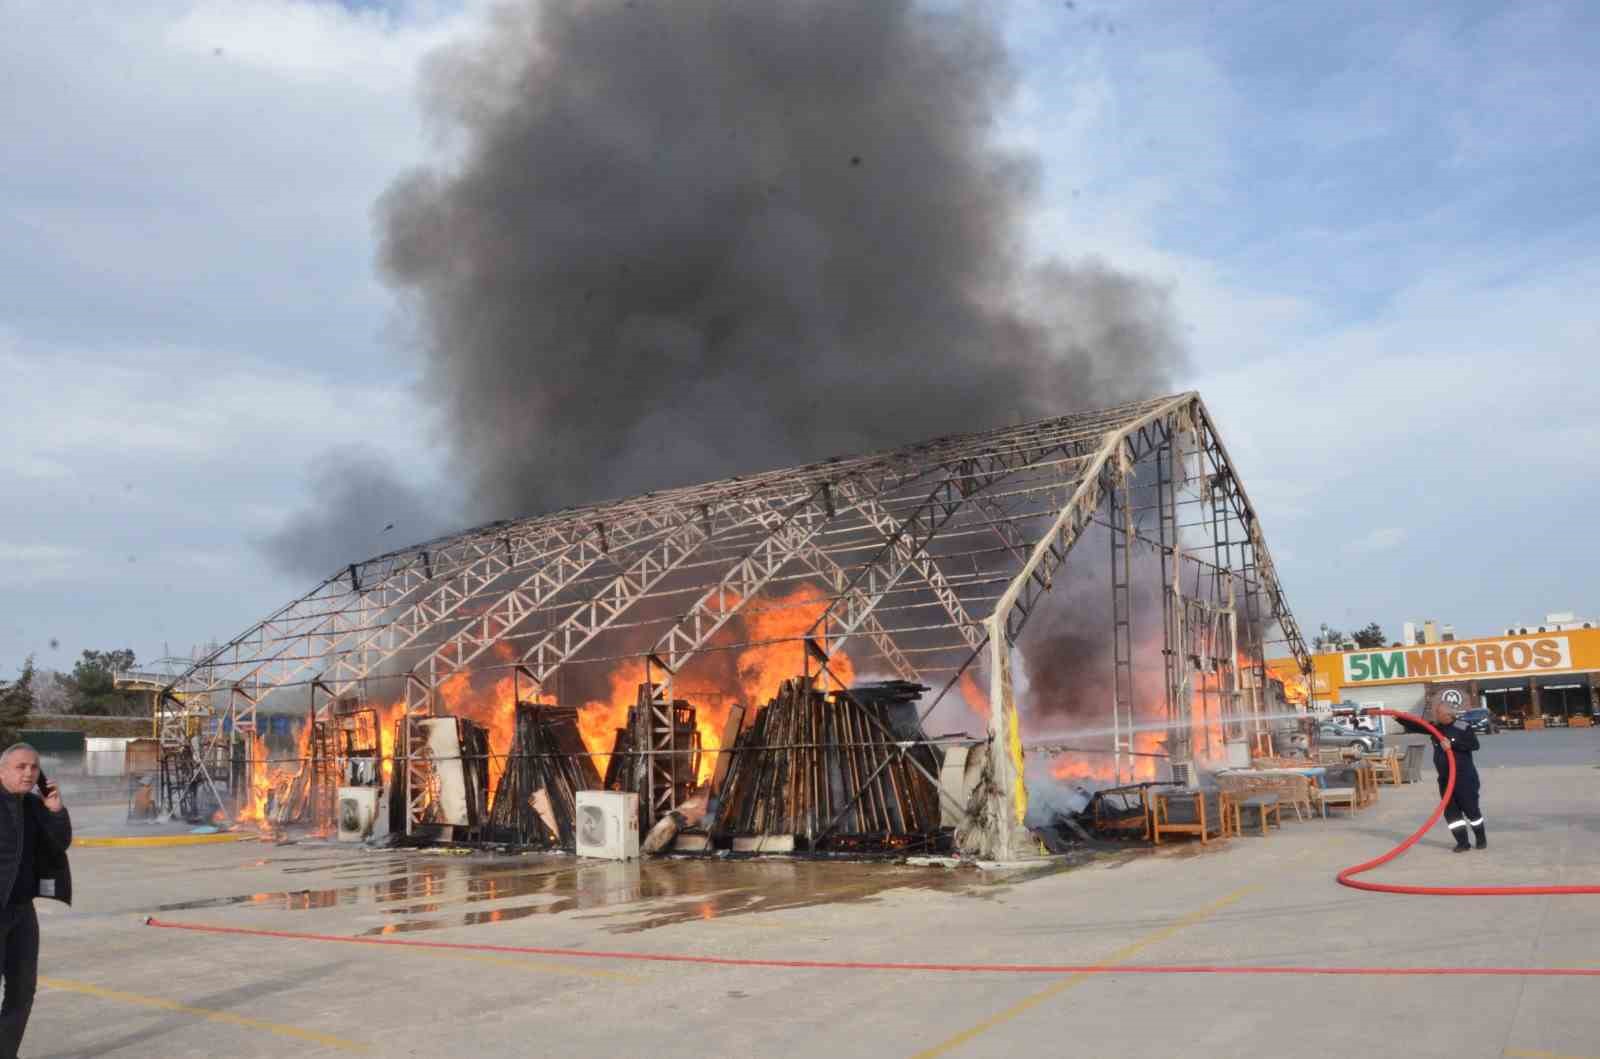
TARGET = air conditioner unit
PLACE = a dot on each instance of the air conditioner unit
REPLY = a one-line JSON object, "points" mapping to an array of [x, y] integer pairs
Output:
{"points": [[608, 825], [358, 813]]}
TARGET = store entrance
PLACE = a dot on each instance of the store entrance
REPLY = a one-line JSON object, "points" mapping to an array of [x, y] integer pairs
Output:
{"points": [[1566, 704], [1511, 706]]}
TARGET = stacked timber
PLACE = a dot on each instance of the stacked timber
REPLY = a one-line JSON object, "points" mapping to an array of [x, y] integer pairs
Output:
{"points": [[676, 756], [535, 802], [849, 771]]}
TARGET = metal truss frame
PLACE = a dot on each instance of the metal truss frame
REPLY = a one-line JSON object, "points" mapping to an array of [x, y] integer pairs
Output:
{"points": [[936, 554]]}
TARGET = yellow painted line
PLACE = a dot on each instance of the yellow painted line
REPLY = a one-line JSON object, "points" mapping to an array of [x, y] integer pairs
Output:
{"points": [[1122, 955], [1530, 1053], [164, 840], [211, 1015]]}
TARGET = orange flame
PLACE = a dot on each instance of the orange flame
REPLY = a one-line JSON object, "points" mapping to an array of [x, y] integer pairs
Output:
{"points": [[773, 626], [270, 778]]}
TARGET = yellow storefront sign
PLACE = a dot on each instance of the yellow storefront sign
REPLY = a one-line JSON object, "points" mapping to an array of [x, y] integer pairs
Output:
{"points": [[1575, 650]]}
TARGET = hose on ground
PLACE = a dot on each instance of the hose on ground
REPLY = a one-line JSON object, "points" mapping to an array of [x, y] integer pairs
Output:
{"points": [[1348, 876]]}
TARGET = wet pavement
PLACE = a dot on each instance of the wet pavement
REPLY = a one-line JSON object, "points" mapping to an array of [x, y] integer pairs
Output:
{"points": [[414, 891], [413, 953]]}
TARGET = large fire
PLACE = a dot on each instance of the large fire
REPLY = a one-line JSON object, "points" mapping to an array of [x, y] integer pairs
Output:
{"points": [[772, 627], [1102, 768], [271, 778]]}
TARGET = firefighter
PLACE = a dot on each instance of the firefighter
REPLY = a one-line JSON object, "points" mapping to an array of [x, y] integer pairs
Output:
{"points": [[1463, 811]]}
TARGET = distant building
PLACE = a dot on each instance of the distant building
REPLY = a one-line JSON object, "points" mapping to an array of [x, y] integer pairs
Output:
{"points": [[1538, 675], [1558, 622]]}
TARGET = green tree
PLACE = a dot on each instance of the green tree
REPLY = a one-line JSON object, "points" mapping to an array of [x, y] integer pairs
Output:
{"points": [[92, 685], [1369, 637], [1328, 639], [16, 703]]}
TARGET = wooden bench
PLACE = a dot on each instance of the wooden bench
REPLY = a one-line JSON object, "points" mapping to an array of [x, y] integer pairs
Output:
{"points": [[1292, 788], [1234, 804]]}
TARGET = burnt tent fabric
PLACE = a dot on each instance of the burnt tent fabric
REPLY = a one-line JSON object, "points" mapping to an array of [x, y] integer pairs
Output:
{"points": [[835, 771], [535, 802]]}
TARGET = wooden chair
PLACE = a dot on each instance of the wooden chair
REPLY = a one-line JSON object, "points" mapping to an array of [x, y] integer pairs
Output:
{"points": [[1264, 805], [1386, 767], [1187, 813], [1292, 788], [1366, 782], [1346, 796]]}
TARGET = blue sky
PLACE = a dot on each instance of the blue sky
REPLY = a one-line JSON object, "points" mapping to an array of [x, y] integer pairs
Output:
{"points": [[1378, 223]]}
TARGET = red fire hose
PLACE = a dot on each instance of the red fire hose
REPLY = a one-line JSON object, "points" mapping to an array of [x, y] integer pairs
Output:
{"points": [[1347, 877]]}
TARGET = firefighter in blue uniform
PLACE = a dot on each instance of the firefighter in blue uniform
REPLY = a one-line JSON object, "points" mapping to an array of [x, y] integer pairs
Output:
{"points": [[1463, 811]]}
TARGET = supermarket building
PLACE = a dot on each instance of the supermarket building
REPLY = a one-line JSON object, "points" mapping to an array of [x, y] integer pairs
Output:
{"points": [[1543, 679]]}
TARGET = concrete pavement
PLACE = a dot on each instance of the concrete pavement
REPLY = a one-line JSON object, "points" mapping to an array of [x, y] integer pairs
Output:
{"points": [[116, 987]]}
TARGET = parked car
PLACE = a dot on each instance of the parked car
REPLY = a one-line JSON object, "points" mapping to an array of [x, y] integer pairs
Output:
{"points": [[1338, 735], [1480, 720]]}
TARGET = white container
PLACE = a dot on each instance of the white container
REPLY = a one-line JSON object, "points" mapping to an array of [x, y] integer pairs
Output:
{"points": [[358, 813], [608, 825], [105, 756]]}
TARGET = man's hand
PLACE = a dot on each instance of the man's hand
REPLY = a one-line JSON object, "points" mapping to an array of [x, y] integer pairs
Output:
{"points": [[52, 798]]}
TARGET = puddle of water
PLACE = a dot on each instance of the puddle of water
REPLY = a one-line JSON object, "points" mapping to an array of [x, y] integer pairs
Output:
{"points": [[625, 897]]}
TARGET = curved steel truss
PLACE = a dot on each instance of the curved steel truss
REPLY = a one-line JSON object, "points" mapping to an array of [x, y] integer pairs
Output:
{"points": [[927, 558]]}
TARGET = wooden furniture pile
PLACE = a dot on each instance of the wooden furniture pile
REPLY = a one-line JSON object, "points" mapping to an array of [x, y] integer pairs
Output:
{"points": [[840, 771], [535, 801]]}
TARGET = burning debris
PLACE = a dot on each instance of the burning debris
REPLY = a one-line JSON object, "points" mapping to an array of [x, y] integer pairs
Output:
{"points": [[444, 781], [657, 753], [535, 802], [841, 771]]}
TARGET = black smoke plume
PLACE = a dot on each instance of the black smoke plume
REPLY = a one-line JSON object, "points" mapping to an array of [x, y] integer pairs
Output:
{"points": [[362, 507], [670, 241]]}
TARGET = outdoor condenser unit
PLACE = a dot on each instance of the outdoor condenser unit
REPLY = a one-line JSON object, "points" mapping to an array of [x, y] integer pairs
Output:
{"points": [[358, 813], [608, 825]]}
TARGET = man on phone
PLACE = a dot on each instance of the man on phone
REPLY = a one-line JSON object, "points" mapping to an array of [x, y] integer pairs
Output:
{"points": [[35, 832]]}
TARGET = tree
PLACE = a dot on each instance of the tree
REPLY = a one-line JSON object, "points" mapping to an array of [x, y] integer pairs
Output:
{"points": [[1369, 637], [92, 686], [1328, 639], [16, 703], [52, 692]]}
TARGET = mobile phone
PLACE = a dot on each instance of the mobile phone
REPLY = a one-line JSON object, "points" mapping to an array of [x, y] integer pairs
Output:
{"points": [[44, 784]]}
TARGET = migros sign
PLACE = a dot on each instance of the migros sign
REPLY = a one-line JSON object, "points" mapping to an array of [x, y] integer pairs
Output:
{"points": [[1436, 661]]}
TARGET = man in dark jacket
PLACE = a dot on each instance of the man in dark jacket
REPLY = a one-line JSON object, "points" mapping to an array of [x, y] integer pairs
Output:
{"points": [[1462, 812], [35, 832]]}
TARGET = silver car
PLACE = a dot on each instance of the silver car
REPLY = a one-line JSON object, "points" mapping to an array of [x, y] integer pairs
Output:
{"points": [[1337, 735]]}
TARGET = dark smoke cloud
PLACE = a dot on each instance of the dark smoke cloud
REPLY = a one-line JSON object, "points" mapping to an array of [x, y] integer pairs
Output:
{"points": [[361, 507], [686, 239], [1067, 650]]}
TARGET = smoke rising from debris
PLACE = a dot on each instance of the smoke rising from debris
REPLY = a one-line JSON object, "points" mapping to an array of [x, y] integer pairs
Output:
{"points": [[362, 508], [675, 241], [1067, 652]]}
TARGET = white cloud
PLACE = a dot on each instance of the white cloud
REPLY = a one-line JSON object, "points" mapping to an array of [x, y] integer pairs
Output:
{"points": [[23, 565], [1379, 540]]}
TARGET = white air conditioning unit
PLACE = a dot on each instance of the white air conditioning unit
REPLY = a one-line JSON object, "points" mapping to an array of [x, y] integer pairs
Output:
{"points": [[608, 825], [358, 813]]}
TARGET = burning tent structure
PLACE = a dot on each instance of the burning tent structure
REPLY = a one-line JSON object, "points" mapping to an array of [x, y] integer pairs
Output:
{"points": [[920, 565]]}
